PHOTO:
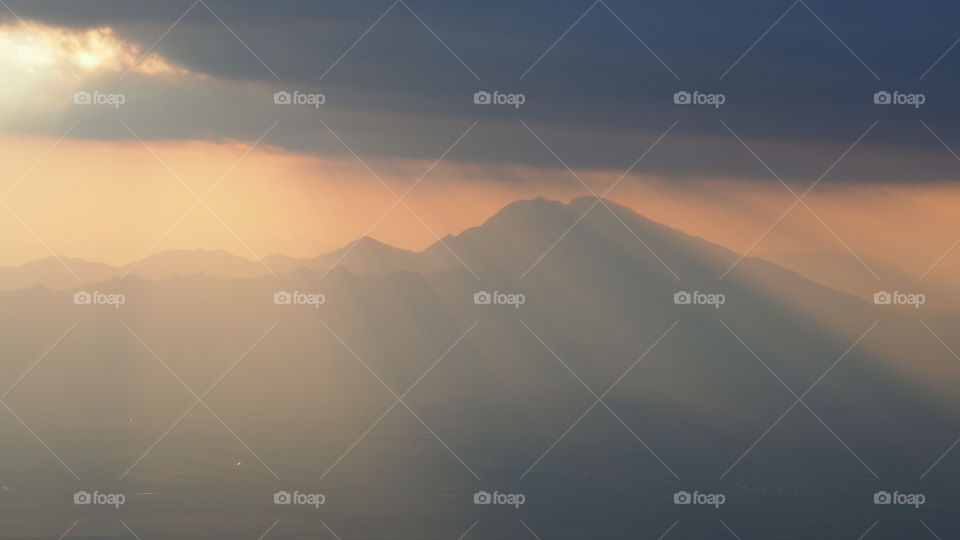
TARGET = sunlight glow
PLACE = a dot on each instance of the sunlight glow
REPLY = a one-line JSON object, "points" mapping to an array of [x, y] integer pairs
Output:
{"points": [[49, 50]]}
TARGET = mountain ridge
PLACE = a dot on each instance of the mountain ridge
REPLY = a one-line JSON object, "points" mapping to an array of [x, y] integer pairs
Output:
{"points": [[550, 220]]}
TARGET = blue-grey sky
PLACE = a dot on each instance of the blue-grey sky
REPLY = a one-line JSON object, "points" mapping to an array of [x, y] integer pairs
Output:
{"points": [[798, 79]]}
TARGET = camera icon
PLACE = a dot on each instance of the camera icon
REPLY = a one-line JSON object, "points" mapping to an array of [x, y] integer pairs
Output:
{"points": [[482, 497], [82, 98], [682, 497], [882, 98], [682, 298], [482, 98], [282, 98], [282, 298], [882, 497], [682, 98], [82, 497], [82, 298], [282, 497], [482, 298], [882, 298]]}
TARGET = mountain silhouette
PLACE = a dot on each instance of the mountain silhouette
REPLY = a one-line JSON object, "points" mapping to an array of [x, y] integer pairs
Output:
{"points": [[364, 256], [502, 393], [54, 273]]}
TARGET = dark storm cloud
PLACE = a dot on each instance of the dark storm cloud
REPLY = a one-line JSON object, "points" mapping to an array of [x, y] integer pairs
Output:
{"points": [[596, 97]]}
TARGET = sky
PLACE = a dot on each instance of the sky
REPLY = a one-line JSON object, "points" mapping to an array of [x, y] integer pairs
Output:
{"points": [[186, 147]]}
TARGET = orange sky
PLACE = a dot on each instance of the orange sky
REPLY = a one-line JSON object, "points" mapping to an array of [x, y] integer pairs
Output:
{"points": [[116, 201]]}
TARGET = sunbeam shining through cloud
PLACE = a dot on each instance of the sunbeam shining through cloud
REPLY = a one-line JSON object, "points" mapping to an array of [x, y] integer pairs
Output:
{"points": [[420, 269]]}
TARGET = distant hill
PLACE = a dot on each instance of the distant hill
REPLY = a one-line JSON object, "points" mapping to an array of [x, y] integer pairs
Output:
{"points": [[366, 256], [54, 273], [196, 261], [363, 256]]}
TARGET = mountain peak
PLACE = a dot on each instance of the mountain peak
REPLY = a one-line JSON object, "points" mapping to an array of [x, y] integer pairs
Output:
{"points": [[584, 202], [369, 241], [577, 203], [541, 208], [526, 206]]}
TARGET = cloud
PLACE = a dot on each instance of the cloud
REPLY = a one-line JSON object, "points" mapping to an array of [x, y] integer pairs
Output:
{"points": [[39, 48], [599, 94]]}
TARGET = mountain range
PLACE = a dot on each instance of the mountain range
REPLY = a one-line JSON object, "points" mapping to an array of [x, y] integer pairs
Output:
{"points": [[598, 396], [363, 256], [837, 270]]}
